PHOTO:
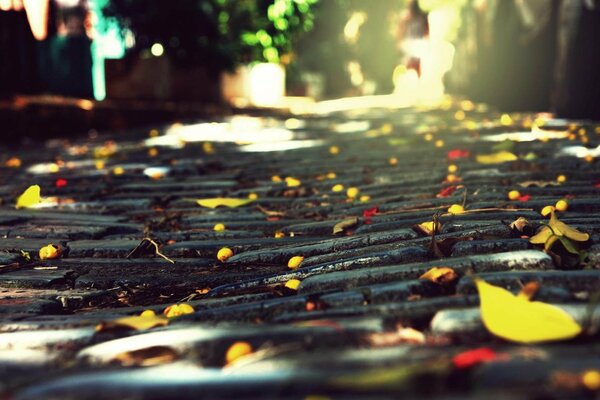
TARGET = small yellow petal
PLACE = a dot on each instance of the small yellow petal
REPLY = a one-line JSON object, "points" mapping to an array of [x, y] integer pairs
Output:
{"points": [[50, 252], [547, 210], [334, 150], [337, 188], [591, 379], [295, 262], [514, 195], [238, 350], [177, 310], [224, 254], [561, 179], [118, 171], [456, 209], [352, 192], [292, 182], [219, 227], [292, 284], [561, 205]]}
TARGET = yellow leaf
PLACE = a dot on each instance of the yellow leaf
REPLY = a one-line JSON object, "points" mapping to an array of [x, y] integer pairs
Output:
{"points": [[30, 197], [542, 236], [440, 275], [562, 229], [343, 225], [135, 322], [517, 319], [223, 201], [496, 158]]}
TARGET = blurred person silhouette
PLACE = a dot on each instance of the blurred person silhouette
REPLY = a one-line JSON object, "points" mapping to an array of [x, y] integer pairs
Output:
{"points": [[412, 33], [67, 65]]}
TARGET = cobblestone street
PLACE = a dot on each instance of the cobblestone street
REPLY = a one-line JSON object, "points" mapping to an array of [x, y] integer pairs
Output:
{"points": [[291, 257]]}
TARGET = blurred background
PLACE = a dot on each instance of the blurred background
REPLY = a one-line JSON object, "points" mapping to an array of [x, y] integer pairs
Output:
{"points": [[118, 63]]}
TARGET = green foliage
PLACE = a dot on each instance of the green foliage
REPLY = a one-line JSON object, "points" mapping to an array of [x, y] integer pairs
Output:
{"points": [[218, 34]]}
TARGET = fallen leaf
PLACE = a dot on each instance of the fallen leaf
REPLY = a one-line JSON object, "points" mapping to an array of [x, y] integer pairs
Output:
{"points": [[60, 182], [520, 224], [506, 145], [562, 229], [223, 202], [496, 158], [368, 214], [517, 319], [50, 252], [400, 336], [343, 225], [541, 184], [237, 351], [428, 228], [470, 358], [30, 197], [295, 262], [441, 275], [456, 209], [291, 182], [147, 357], [559, 231], [293, 284], [458, 153], [525, 197], [447, 191], [135, 322], [224, 254], [177, 310]]}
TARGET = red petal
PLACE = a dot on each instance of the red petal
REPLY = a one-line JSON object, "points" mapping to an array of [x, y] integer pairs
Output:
{"points": [[368, 213], [458, 153], [447, 191], [525, 197], [60, 182], [597, 185], [473, 357]]}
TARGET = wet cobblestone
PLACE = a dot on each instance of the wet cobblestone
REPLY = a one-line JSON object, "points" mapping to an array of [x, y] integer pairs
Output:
{"points": [[342, 332]]}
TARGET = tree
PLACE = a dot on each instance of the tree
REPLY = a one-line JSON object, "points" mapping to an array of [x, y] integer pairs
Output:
{"points": [[218, 34]]}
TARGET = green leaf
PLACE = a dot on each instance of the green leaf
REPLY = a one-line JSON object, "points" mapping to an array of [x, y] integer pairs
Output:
{"points": [[569, 245]]}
